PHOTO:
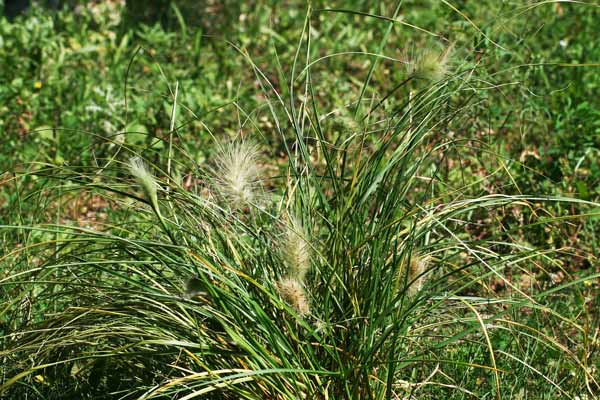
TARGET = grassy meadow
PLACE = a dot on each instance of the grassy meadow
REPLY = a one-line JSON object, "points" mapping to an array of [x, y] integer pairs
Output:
{"points": [[300, 200]]}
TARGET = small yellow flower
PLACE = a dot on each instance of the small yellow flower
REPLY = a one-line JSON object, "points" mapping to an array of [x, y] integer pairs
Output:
{"points": [[37, 85]]}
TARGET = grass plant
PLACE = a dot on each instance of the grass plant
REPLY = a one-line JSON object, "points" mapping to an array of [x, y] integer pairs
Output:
{"points": [[302, 263]]}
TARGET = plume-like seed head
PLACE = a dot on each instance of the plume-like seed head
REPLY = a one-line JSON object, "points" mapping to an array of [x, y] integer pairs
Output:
{"points": [[236, 173], [140, 171], [430, 65], [293, 293], [416, 274], [296, 249]]}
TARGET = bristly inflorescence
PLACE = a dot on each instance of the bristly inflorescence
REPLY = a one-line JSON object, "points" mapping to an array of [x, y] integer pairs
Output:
{"points": [[430, 65], [236, 173], [417, 271], [296, 249], [292, 291], [139, 169]]}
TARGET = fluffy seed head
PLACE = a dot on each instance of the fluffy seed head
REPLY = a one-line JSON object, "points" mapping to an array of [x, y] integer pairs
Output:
{"points": [[293, 293], [416, 274], [236, 173], [142, 174], [430, 65], [296, 249]]}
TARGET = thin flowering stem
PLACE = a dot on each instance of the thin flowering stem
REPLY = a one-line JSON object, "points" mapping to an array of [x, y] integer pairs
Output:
{"points": [[139, 169]]}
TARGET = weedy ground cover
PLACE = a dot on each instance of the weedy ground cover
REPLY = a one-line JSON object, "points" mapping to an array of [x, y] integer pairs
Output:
{"points": [[327, 202]]}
